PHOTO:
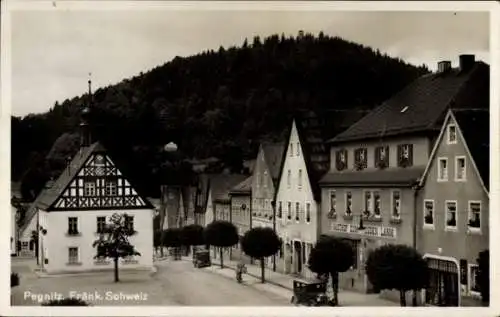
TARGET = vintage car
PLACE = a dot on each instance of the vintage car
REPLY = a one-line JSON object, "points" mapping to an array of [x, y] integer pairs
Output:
{"points": [[309, 293], [201, 258]]}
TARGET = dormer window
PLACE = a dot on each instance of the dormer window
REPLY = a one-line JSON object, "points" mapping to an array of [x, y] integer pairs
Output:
{"points": [[452, 134], [341, 160], [360, 159]]}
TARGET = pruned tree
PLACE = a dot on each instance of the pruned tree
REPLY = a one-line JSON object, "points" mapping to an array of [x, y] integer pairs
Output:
{"points": [[157, 243], [192, 235], [397, 267], [71, 301], [171, 238], [331, 256], [260, 243], [483, 278], [221, 234], [114, 242]]}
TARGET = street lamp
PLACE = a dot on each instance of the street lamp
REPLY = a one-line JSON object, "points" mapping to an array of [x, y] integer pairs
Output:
{"points": [[360, 230], [273, 205]]}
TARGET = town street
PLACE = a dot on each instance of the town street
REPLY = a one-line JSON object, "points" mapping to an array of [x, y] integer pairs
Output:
{"points": [[175, 283]]}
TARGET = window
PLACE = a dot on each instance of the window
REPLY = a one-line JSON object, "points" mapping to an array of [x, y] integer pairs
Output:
{"points": [[280, 209], [89, 188], [129, 223], [376, 203], [474, 215], [291, 149], [452, 134], [360, 159], [473, 279], [429, 212], [101, 224], [442, 169], [308, 212], [348, 203], [110, 189], [72, 255], [382, 157], [405, 155], [289, 178], [333, 203], [341, 159], [460, 168], [72, 225], [263, 180], [25, 245], [300, 178], [289, 211], [368, 203], [298, 149], [297, 211], [396, 204], [451, 214]]}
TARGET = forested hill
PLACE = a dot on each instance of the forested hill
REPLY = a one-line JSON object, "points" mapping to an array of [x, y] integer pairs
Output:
{"points": [[217, 103]]}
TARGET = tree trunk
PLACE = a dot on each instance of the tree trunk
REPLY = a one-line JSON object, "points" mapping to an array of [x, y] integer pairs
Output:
{"points": [[262, 270], [221, 258], [402, 297], [414, 299], [335, 287], [116, 270]]}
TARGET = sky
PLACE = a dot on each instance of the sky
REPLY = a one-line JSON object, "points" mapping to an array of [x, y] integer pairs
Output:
{"points": [[54, 51]]}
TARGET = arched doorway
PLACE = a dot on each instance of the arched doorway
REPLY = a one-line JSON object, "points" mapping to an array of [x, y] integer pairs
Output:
{"points": [[444, 281]]}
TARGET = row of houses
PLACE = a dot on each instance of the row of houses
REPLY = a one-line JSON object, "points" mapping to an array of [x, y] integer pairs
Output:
{"points": [[413, 171]]}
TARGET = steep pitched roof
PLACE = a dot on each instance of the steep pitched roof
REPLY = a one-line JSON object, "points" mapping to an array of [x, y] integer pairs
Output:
{"points": [[32, 210], [245, 187], [473, 125], [221, 184], [422, 105], [273, 155], [68, 174], [475, 128]]}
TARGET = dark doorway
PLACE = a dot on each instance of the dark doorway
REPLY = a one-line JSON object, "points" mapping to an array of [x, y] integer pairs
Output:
{"points": [[298, 256], [443, 288]]}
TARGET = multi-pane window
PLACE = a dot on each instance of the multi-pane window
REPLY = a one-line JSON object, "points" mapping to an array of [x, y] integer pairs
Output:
{"points": [[460, 168], [291, 149], [89, 188], [474, 214], [348, 203], [280, 209], [289, 178], [396, 204], [289, 210], [300, 178], [297, 211], [451, 214], [101, 224], [452, 134], [376, 203], [72, 255], [333, 202], [129, 223], [429, 212], [308, 212], [341, 159], [72, 225], [360, 159], [111, 188], [298, 149], [442, 169], [382, 157]]}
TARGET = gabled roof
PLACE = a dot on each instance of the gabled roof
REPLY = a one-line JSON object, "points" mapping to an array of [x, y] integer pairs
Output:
{"points": [[473, 129], [68, 174], [32, 210], [221, 184], [243, 188], [273, 155], [422, 105]]}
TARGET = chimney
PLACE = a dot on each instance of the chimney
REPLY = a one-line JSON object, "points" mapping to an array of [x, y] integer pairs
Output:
{"points": [[466, 62], [444, 66]]}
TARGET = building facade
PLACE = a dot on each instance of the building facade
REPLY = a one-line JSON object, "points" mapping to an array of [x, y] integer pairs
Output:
{"points": [[298, 196], [377, 162], [241, 216], [453, 207], [264, 183]]}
